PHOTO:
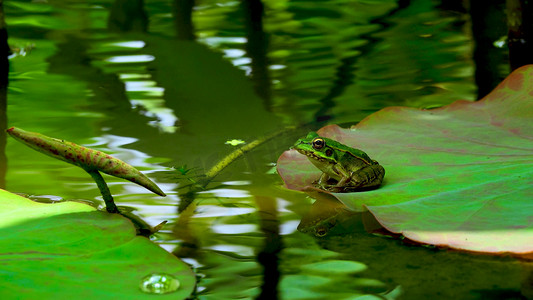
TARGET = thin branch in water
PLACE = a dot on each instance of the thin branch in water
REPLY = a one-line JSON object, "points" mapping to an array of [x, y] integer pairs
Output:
{"points": [[230, 158]]}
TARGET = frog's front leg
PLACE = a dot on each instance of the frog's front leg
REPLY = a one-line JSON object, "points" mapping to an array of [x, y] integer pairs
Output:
{"points": [[339, 187], [323, 180], [345, 176]]}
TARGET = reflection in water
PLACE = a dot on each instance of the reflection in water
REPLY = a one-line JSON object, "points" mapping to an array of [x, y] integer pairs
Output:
{"points": [[145, 95], [268, 255], [72, 58], [486, 30], [321, 218], [209, 211], [131, 58], [127, 15], [183, 19], [527, 280], [164, 117], [129, 44], [257, 48], [233, 193], [147, 86], [183, 231], [328, 216], [234, 228]]}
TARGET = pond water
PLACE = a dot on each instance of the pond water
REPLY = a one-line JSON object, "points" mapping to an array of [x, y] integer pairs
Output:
{"points": [[173, 87]]}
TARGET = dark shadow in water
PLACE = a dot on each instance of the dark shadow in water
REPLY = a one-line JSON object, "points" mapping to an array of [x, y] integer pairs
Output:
{"points": [[495, 294], [257, 49], [488, 25], [182, 11], [4, 72], [345, 75], [520, 32], [72, 59], [453, 5], [181, 230], [268, 257], [128, 15]]}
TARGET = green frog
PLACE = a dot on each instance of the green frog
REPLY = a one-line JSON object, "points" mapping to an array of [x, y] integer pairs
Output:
{"points": [[351, 169]]}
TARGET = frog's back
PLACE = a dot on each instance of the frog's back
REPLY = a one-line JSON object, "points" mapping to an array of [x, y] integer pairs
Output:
{"points": [[349, 151]]}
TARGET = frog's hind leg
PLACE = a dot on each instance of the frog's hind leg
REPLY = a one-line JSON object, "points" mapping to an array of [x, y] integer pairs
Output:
{"points": [[368, 177]]}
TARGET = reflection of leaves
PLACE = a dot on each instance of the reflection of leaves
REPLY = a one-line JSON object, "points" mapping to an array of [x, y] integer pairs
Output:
{"points": [[334, 267], [243, 282], [183, 170], [319, 277], [69, 249], [459, 176]]}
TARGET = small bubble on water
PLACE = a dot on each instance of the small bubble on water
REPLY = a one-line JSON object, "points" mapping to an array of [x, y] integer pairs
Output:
{"points": [[159, 283]]}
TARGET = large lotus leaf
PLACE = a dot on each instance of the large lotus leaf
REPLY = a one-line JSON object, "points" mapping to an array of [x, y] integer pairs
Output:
{"points": [[70, 250], [458, 176]]}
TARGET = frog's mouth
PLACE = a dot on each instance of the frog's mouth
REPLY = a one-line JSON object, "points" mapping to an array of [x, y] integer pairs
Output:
{"points": [[313, 156]]}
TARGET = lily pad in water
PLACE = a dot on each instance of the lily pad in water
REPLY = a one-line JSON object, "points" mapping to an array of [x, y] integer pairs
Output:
{"points": [[459, 176], [70, 250]]}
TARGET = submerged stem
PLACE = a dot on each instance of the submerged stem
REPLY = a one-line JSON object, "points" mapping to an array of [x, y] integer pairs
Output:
{"points": [[104, 190]]}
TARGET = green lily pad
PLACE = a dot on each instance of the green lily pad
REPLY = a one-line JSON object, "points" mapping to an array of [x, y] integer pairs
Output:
{"points": [[459, 176], [70, 250]]}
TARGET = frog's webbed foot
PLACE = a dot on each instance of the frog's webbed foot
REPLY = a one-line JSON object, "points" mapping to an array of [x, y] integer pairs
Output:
{"points": [[331, 186], [323, 182], [367, 178], [328, 184], [325, 187], [336, 189]]}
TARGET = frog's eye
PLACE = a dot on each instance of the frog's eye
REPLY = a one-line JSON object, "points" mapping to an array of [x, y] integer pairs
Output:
{"points": [[318, 143], [321, 231]]}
